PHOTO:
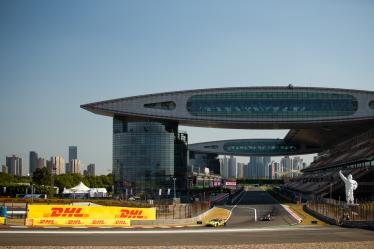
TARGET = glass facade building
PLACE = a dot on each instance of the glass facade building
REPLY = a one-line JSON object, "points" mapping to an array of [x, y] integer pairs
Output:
{"points": [[33, 162], [143, 157]]}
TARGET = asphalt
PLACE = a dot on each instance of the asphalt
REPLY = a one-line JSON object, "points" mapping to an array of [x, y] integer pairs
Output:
{"points": [[259, 202], [241, 229]]}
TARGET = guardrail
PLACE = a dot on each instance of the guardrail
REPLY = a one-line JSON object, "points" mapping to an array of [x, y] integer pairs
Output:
{"points": [[358, 215]]}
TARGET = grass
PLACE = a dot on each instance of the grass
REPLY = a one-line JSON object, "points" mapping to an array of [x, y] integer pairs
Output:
{"points": [[297, 208], [215, 212]]}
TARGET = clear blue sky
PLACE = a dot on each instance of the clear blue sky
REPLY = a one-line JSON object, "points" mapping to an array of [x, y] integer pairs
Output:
{"points": [[57, 55]]}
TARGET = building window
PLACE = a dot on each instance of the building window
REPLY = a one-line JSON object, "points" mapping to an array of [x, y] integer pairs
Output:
{"points": [[371, 104], [272, 105], [166, 105]]}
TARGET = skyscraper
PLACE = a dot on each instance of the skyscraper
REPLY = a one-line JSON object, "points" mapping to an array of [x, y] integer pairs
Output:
{"points": [[286, 165], [91, 169], [14, 165], [259, 167], [224, 167], [240, 170], [73, 153], [40, 163], [232, 167], [4, 169], [56, 165], [33, 162], [297, 165], [75, 165]]}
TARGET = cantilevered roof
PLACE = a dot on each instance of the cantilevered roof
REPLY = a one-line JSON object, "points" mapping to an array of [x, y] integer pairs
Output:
{"points": [[315, 116]]}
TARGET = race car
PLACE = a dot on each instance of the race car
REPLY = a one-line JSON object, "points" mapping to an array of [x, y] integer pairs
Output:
{"points": [[216, 223], [267, 217]]}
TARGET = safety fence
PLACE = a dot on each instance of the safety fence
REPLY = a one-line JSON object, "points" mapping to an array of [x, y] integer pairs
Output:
{"points": [[340, 212], [181, 211]]}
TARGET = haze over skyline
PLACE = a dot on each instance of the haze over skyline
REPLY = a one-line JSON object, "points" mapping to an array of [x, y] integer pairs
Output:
{"points": [[57, 55]]}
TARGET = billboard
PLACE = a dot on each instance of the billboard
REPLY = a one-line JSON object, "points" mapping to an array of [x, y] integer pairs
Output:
{"points": [[230, 183], [63, 215]]}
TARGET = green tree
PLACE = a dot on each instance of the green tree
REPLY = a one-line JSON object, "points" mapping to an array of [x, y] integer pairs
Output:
{"points": [[42, 176]]}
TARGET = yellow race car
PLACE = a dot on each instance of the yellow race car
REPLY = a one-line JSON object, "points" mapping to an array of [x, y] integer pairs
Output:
{"points": [[216, 223]]}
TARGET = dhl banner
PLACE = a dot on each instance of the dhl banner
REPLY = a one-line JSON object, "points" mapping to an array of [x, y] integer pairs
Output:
{"points": [[42, 215], [78, 222]]}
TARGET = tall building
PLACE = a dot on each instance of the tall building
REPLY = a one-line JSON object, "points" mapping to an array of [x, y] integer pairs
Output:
{"points": [[272, 170], [75, 165], [4, 169], [56, 165], [91, 169], [240, 170], [73, 153], [278, 171], [297, 165], [232, 167], [68, 168], [266, 163], [41, 163], [199, 161], [286, 164], [224, 167], [259, 167], [144, 156], [14, 165], [33, 162]]}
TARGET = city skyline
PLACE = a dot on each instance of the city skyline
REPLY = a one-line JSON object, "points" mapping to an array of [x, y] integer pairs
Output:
{"points": [[53, 62]]}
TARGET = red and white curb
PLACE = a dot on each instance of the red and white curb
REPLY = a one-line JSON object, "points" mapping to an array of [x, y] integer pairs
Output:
{"points": [[292, 213], [106, 227]]}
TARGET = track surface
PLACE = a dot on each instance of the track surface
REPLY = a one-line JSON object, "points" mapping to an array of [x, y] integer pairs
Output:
{"points": [[243, 214], [240, 229]]}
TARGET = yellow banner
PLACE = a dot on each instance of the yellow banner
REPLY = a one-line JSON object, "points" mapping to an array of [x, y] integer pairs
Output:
{"points": [[2, 220], [93, 213]]}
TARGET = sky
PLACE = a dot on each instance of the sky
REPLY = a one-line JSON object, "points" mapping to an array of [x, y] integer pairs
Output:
{"points": [[57, 55]]}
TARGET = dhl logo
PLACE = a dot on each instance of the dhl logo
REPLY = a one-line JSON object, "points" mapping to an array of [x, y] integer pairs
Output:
{"points": [[133, 214], [66, 212], [98, 222], [120, 222], [74, 222], [47, 222]]}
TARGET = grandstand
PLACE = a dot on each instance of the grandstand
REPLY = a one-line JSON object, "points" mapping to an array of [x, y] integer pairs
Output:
{"points": [[353, 156]]}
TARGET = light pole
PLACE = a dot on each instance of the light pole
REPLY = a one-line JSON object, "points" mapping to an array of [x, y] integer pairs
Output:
{"points": [[175, 194], [32, 192]]}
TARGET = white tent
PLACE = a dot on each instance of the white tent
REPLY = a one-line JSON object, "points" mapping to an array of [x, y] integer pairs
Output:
{"points": [[83, 189]]}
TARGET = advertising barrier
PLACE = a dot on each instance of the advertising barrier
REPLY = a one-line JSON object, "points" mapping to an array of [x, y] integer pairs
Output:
{"points": [[63, 215]]}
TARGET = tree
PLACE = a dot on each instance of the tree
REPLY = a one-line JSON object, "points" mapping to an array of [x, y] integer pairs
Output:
{"points": [[42, 176]]}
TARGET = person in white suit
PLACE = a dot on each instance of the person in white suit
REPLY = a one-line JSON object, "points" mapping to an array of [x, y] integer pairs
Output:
{"points": [[350, 185]]}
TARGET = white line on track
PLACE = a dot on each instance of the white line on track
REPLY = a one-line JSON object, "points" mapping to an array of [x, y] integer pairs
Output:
{"points": [[18, 226], [178, 231], [232, 209]]}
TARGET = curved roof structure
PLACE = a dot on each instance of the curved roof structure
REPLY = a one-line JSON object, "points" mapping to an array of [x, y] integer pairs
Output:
{"points": [[316, 116]]}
